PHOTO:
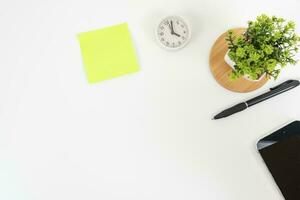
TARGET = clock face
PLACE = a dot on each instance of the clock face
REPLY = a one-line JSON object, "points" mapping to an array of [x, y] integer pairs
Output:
{"points": [[173, 33]]}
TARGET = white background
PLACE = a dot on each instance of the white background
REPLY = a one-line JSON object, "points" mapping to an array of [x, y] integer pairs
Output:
{"points": [[147, 135]]}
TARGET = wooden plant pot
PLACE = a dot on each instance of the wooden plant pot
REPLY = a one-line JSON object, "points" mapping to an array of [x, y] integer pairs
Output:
{"points": [[221, 70]]}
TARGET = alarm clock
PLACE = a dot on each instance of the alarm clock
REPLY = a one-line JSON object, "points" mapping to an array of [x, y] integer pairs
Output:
{"points": [[173, 33]]}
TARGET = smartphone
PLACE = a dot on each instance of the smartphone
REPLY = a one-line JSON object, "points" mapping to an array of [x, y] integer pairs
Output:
{"points": [[281, 154]]}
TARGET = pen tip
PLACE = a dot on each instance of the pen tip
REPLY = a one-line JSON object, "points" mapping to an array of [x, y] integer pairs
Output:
{"points": [[213, 119]]}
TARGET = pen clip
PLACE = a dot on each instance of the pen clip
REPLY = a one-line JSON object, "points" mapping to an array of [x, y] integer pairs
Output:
{"points": [[282, 84]]}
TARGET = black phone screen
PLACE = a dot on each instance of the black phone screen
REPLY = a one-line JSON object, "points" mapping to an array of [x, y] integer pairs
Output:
{"points": [[281, 153]]}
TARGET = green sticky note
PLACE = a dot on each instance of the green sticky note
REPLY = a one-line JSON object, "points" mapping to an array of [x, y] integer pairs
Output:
{"points": [[108, 53]]}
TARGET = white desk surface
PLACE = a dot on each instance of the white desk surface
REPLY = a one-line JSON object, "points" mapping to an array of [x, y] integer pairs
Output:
{"points": [[144, 136]]}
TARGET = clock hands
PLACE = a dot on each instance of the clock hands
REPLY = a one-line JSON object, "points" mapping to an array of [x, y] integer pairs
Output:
{"points": [[170, 26], [176, 34], [172, 29]]}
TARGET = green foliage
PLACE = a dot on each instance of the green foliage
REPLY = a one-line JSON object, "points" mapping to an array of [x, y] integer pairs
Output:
{"points": [[268, 45]]}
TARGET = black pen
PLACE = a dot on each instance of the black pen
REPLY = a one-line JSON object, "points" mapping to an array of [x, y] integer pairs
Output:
{"points": [[283, 87]]}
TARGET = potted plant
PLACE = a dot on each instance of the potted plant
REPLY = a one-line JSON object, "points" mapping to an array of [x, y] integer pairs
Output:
{"points": [[267, 46]]}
